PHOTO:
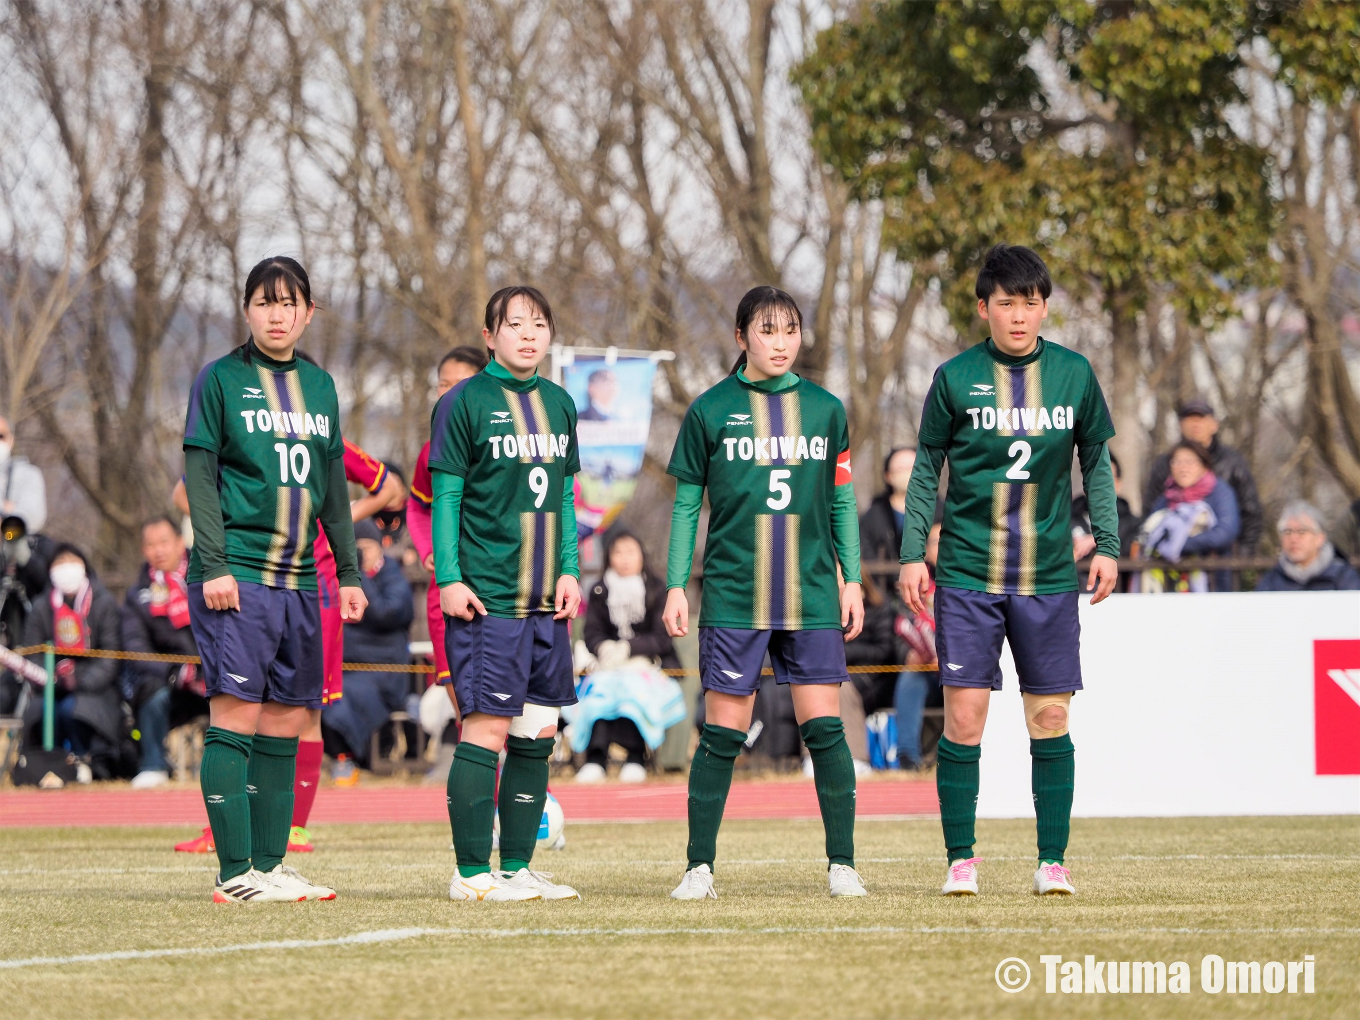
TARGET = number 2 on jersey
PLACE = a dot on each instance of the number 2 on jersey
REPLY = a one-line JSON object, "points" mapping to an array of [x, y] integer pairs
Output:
{"points": [[538, 482], [1020, 452]]}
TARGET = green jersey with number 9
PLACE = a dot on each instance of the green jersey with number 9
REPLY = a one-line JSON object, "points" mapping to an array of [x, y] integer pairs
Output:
{"points": [[275, 427], [514, 444], [768, 452], [1009, 427]]}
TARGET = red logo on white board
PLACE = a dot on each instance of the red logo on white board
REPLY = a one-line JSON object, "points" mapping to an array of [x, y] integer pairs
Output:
{"points": [[1336, 707]]}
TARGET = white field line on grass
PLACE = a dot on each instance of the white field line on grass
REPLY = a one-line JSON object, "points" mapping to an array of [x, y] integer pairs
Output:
{"points": [[404, 934], [440, 865]]}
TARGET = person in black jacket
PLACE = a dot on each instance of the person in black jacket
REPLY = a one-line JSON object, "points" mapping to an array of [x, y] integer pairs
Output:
{"points": [[76, 611], [1199, 425], [383, 635], [155, 618], [623, 619], [880, 526], [1308, 561]]}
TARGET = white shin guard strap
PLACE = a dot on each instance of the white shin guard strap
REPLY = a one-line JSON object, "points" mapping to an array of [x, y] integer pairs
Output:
{"points": [[533, 720]]}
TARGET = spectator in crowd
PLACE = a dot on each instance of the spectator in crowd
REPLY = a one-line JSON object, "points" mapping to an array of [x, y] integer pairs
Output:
{"points": [[880, 526], [23, 493], [380, 637], [155, 618], [917, 687], [1199, 425], [623, 620], [76, 611], [1196, 515], [1308, 561], [1083, 541], [877, 645]]}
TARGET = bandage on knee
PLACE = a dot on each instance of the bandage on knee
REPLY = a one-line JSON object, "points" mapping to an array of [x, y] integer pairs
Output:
{"points": [[533, 720], [1035, 704]]}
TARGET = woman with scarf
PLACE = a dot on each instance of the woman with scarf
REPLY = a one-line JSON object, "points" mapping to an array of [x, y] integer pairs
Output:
{"points": [[77, 612], [1196, 515], [623, 620]]}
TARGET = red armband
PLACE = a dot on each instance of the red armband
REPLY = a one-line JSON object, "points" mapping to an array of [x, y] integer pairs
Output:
{"points": [[843, 468]]}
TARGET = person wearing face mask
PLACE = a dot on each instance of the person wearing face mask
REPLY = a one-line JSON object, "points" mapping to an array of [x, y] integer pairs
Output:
{"points": [[76, 611], [880, 526], [23, 493]]}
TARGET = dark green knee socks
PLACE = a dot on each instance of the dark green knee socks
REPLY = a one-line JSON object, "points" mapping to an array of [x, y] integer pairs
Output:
{"points": [[834, 771], [956, 781], [524, 788], [222, 776], [1052, 774], [710, 777], [269, 782], [472, 806]]}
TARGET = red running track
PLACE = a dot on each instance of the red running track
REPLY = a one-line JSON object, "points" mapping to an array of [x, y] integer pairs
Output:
{"points": [[607, 803]]}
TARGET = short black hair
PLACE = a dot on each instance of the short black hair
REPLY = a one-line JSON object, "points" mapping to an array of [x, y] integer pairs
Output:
{"points": [[893, 453], [498, 308], [1014, 269], [152, 521], [70, 548], [278, 275], [473, 357]]}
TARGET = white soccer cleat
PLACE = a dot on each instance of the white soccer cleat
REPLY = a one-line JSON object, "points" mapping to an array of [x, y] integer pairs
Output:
{"points": [[1053, 880], [696, 885], [962, 878], [485, 888], [632, 772], [845, 881], [299, 888], [252, 887], [590, 773], [863, 768], [150, 780], [537, 880]]}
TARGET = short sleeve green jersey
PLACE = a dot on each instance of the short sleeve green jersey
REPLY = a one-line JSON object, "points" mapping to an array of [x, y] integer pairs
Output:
{"points": [[769, 461], [275, 427], [1009, 427], [514, 444]]}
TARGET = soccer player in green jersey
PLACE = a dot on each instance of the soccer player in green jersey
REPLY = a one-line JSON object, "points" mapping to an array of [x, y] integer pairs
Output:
{"points": [[773, 451], [262, 467], [1007, 414], [502, 456]]}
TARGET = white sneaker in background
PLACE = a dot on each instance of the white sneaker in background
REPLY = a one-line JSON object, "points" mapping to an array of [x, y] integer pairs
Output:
{"points": [[590, 773], [808, 770], [862, 768], [150, 780], [539, 881], [288, 879], [962, 878], [845, 881], [252, 887], [632, 772], [1052, 879], [696, 885], [485, 888]]}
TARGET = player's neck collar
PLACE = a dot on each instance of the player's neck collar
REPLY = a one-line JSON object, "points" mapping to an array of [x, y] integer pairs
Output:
{"points": [[777, 384], [270, 363], [1006, 359], [507, 378]]}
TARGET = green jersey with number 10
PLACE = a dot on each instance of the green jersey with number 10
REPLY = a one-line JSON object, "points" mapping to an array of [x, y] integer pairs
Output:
{"points": [[769, 460], [1009, 427]]}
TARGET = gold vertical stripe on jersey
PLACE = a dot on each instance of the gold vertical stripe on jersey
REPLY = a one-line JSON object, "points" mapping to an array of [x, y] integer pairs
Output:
{"points": [[304, 536], [793, 580], [1034, 390], [541, 413], [760, 421], [792, 406], [1029, 536], [551, 547], [271, 396], [764, 549], [1001, 379], [294, 383], [517, 415], [273, 560], [524, 599], [996, 566]]}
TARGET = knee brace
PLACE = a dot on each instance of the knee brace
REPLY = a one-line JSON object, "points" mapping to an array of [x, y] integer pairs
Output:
{"points": [[533, 720], [1054, 708]]}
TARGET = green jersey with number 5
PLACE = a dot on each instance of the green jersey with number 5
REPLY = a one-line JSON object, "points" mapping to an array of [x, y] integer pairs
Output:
{"points": [[275, 427], [514, 444], [1009, 427], [768, 453]]}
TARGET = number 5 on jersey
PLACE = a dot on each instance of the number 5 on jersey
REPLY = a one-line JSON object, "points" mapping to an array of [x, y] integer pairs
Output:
{"points": [[780, 486]]}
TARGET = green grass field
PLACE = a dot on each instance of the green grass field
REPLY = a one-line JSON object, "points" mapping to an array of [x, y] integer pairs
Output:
{"points": [[774, 945]]}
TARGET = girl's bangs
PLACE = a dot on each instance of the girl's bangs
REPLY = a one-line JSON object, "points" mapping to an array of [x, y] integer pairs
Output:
{"points": [[278, 283]]}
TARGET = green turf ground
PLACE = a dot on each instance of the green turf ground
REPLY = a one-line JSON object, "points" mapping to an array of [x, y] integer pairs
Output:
{"points": [[774, 945]]}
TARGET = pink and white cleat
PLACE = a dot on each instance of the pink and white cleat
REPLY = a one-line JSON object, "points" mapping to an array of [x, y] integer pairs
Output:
{"points": [[1053, 880], [962, 878]]}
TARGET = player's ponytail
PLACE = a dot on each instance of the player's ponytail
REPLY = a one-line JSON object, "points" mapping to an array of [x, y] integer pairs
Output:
{"points": [[770, 300]]}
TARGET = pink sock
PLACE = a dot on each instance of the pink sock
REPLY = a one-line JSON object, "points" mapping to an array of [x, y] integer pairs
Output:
{"points": [[305, 779]]}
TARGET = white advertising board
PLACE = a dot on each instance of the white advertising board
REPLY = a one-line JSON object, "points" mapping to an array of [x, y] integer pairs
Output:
{"points": [[1194, 704]]}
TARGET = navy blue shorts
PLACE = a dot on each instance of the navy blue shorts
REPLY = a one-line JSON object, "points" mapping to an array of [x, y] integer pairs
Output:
{"points": [[269, 651], [1044, 632], [497, 664], [730, 659]]}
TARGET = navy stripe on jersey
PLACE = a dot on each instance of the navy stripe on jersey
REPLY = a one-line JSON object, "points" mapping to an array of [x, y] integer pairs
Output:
{"points": [[439, 432], [195, 418], [776, 412]]}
